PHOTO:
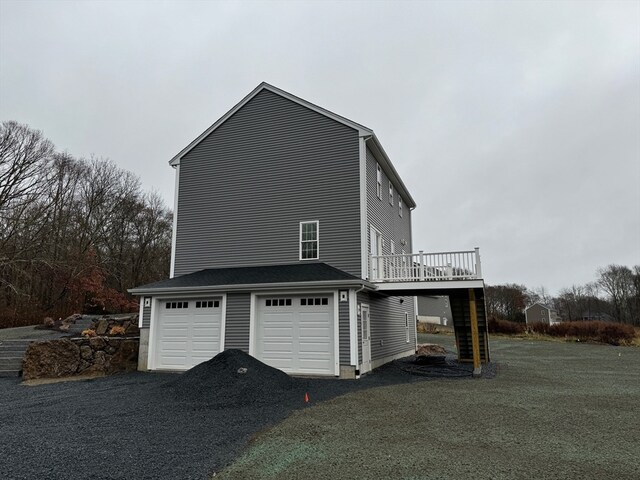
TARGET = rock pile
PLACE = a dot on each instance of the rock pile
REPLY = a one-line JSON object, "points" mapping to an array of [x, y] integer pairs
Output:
{"points": [[233, 377], [430, 349], [80, 356], [103, 325]]}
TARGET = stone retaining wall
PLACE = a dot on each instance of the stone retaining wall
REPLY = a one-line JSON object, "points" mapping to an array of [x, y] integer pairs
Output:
{"points": [[67, 357], [103, 325]]}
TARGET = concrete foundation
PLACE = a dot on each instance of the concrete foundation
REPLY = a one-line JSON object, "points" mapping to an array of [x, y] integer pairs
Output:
{"points": [[143, 351], [347, 372]]}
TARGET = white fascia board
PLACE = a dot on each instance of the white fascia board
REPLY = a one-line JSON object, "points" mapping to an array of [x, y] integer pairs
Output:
{"points": [[421, 286], [362, 130], [389, 169], [254, 286]]}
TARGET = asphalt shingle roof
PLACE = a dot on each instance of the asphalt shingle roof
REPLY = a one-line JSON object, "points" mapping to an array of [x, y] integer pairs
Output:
{"points": [[299, 272]]}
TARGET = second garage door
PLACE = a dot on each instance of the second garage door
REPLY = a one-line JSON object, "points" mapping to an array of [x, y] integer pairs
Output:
{"points": [[189, 332], [296, 333]]}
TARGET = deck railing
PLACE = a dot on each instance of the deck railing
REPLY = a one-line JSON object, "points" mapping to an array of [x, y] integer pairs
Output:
{"points": [[425, 267]]}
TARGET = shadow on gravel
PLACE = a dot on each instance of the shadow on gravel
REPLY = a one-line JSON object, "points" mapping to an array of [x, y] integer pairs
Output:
{"points": [[170, 425]]}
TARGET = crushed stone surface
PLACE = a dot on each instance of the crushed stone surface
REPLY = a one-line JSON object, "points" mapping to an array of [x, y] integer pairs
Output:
{"points": [[159, 425]]}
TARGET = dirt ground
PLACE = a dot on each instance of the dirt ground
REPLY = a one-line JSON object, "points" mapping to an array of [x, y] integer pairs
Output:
{"points": [[554, 411]]}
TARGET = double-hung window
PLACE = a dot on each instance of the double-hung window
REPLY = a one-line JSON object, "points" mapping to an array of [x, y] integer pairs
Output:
{"points": [[309, 245], [390, 192], [379, 180], [399, 205]]}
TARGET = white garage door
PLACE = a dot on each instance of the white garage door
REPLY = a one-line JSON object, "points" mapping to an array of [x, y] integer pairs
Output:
{"points": [[296, 333], [189, 332]]}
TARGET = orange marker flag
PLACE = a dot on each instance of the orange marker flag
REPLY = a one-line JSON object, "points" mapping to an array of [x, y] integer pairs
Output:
{"points": [[306, 397]]}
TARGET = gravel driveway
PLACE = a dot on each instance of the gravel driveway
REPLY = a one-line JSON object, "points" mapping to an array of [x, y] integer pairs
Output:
{"points": [[150, 425]]}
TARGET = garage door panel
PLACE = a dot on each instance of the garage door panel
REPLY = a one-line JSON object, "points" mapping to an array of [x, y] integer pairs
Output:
{"points": [[187, 336], [315, 348], [297, 338]]}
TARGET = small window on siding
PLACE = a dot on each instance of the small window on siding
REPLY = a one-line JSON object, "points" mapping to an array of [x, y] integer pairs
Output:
{"points": [[390, 192], [399, 205], [392, 246], [309, 243], [379, 180]]}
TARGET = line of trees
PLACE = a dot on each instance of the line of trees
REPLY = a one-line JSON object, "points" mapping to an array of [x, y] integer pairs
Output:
{"points": [[75, 234], [614, 295]]}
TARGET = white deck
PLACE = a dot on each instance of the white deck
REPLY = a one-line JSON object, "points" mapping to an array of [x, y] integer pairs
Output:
{"points": [[422, 270]]}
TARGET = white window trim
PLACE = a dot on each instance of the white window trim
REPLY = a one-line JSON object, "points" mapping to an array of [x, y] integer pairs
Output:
{"points": [[379, 181], [317, 222], [390, 192]]}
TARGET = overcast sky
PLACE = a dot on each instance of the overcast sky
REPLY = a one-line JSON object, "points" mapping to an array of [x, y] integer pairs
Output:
{"points": [[515, 125]]}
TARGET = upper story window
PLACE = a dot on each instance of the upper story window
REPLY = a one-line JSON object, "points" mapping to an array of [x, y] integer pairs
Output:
{"points": [[379, 180], [390, 192], [309, 245], [399, 205]]}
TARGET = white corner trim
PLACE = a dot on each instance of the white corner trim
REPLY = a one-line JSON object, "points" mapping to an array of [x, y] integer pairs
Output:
{"points": [[353, 327], [141, 312], [364, 249], [223, 321], [252, 324], [174, 230], [153, 333], [336, 332]]}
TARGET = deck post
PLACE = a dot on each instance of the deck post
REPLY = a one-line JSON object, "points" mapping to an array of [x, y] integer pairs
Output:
{"points": [[421, 274], [478, 266], [475, 340]]}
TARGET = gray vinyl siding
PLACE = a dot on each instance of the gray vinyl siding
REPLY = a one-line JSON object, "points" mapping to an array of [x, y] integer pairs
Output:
{"points": [[343, 332], [237, 321], [388, 333], [245, 188], [384, 216], [146, 314], [537, 313]]}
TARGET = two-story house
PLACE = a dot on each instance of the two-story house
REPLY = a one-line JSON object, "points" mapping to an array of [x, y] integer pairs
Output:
{"points": [[292, 241]]}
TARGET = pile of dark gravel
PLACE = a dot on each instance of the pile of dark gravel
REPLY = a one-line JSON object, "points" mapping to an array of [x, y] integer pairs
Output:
{"points": [[232, 377]]}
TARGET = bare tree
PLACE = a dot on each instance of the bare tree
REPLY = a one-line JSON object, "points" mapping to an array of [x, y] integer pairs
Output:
{"points": [[617, 281]]}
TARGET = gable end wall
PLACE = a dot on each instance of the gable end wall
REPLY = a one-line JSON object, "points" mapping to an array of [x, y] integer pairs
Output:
{"points": [[247, 185]]}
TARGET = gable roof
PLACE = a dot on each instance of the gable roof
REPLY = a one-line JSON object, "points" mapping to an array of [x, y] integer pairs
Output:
{"points": [[365, 132], [362, 130], [541, 305], [239, 277]]}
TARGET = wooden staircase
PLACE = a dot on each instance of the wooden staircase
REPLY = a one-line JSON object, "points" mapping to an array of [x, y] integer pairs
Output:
{"points": [[461, 312]]}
